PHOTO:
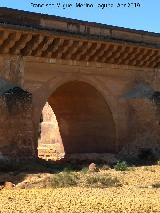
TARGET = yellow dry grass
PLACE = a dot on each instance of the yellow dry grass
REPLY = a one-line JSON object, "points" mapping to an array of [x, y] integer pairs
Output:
{"points": [[76, 200], [136, 195]]}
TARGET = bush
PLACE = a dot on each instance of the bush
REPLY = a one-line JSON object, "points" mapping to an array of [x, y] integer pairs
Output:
{"points": [[64, 179], [68, 169], [102, 181], [84, 170], [121, 166]]}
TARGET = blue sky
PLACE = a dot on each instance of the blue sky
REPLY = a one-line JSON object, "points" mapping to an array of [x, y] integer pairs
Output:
{"points": [[146, 17]]}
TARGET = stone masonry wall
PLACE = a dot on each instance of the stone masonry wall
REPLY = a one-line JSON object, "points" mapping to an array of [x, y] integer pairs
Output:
{"points": [[145, 130], [12, 69], [16, 132]]}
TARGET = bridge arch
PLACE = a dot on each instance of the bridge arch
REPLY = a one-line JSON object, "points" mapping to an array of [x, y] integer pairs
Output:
{"points": [[85, 121]]}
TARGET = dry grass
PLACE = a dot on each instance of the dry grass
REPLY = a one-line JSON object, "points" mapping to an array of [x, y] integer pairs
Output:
{"points": [[137, 191], [77, 199]]}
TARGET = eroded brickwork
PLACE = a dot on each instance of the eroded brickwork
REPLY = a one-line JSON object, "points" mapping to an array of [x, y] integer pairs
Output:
{"points": [[16, 133], [12, 69], [144, 129]]}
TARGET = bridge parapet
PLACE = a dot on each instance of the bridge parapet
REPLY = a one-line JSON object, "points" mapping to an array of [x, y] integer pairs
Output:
{"points": [[30, 34]]}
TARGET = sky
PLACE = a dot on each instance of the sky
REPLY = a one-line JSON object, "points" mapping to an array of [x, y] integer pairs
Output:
{"points": [[142, 15]]}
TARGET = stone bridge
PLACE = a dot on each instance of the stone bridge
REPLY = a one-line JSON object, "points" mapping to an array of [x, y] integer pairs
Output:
{"points": [[102, 82]]}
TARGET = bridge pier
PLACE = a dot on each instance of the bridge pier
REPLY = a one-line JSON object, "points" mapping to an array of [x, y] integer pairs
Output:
{"points": [[16, 132]]}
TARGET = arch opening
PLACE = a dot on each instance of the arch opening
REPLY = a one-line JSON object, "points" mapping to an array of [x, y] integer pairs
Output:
{"points": [[79, 121]]}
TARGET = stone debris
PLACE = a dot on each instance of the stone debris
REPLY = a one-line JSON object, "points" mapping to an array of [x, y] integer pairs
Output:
{"points": [[92, 167]]}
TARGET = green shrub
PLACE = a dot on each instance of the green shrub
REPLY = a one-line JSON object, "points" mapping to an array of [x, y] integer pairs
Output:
{"points": [[64, 179], [102, 181], [68, 169], [121, 166], [84, 170]]}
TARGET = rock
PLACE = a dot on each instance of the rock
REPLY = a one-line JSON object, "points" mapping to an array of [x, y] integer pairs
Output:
{"points": [[9, 185], [92, 167]]}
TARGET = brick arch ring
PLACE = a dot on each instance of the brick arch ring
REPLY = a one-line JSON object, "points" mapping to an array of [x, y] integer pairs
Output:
{"points": [[54, 84]]}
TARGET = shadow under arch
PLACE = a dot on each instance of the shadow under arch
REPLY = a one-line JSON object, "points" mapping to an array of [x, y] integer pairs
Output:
{"points": [[85, 120]]}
